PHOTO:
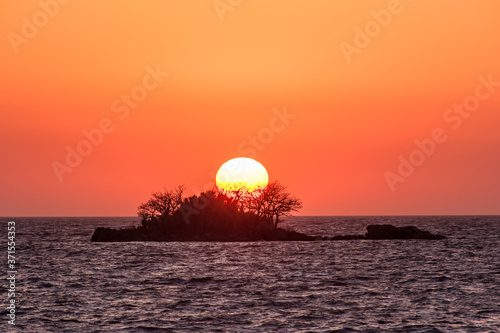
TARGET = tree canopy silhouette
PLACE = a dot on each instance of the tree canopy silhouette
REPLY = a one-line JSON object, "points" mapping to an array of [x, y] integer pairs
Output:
{"points": [[160, 206], [273, 202], [217, 210]]}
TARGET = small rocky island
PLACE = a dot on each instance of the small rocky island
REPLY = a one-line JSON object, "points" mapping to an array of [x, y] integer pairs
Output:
{"points": [[385, 231], [231, 216]]}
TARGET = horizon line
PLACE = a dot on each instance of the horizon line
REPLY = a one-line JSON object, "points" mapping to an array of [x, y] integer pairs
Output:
{"points": [[353, 215]]}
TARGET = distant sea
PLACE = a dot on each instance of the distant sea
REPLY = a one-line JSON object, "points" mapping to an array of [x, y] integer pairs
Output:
{"points": [[65, 283]]}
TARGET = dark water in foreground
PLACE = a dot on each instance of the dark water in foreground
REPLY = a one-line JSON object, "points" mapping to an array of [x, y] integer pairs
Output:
{"points": [[65, 283]]}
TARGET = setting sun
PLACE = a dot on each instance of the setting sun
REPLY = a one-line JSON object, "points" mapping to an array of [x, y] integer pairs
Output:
{"points": [[242, 173]]}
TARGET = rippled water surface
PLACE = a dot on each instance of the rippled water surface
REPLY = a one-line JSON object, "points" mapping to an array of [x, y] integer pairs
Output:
{"points": [[65, 283]]}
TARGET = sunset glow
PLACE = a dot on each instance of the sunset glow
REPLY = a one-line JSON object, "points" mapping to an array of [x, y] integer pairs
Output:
{"points": [[102, 102], [250, 165], [242, 173]]}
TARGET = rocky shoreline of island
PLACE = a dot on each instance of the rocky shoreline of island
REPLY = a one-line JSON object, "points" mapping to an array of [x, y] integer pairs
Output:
{"points": [[373, 232]]}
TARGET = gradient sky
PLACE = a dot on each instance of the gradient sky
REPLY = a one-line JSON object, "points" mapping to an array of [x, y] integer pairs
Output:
{"points": [[353, 116]]}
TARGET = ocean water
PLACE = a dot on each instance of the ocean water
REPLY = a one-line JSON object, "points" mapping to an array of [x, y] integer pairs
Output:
{"points": [[65, 283]]}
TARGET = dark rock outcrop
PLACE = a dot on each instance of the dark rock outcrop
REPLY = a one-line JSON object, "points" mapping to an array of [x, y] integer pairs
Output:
{"points": [[387, 231]]}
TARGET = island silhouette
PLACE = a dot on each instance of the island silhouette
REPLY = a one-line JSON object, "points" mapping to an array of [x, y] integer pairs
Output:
{"points": [[231, 215]]}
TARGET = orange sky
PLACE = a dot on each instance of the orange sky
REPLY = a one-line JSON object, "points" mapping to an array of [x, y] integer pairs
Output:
{"points": [[230, 71]]}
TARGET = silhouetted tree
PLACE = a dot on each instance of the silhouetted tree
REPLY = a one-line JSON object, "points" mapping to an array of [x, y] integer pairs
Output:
{"points": [[160, 206], [273, 202]]}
